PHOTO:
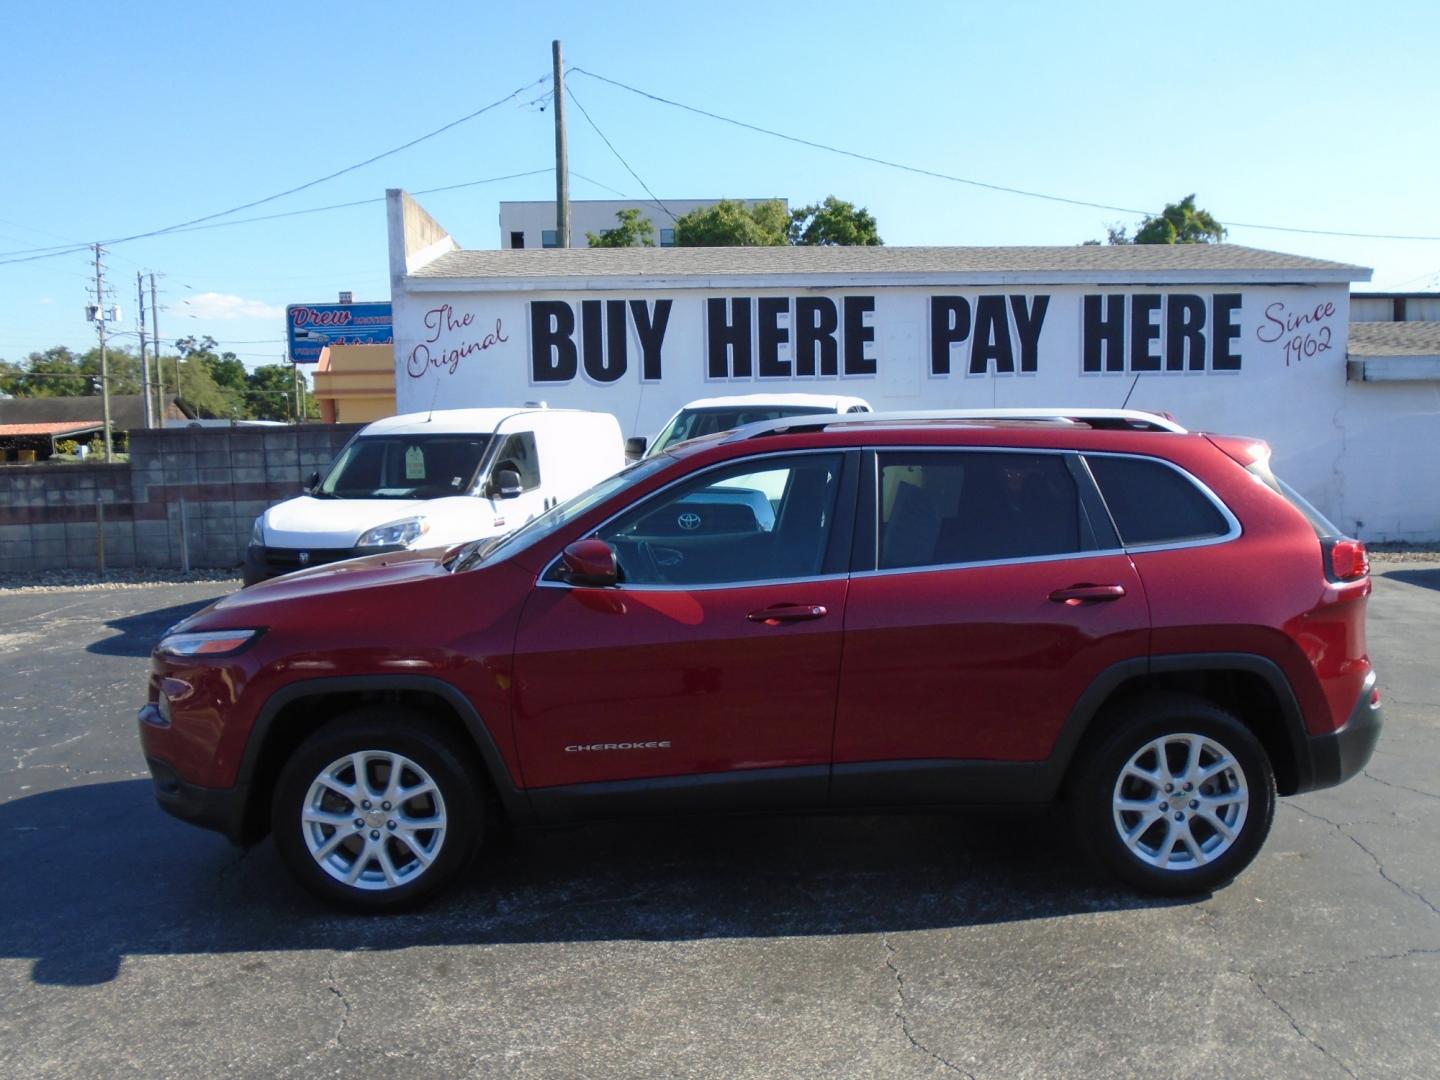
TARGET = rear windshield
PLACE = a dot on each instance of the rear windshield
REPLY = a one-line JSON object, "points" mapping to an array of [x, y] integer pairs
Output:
{"points": [[693, 423], [405, 467], [1322, 525]]}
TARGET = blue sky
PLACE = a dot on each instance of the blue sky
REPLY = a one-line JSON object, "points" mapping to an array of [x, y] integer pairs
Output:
{"points": [[123, 119]]}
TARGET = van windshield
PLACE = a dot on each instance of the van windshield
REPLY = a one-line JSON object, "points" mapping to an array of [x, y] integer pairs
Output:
{"points": [[405, 467], [693, 423]]}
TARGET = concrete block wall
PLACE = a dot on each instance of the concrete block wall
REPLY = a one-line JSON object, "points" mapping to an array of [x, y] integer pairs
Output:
{"points": [[226, 477]]}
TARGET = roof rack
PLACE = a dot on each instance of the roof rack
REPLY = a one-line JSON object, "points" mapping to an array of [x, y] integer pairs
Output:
{"points": [[1103, 419]]}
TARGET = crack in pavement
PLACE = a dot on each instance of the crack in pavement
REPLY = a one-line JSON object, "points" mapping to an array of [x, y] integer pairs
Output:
{"points": [[1297, 1028], [1401, 787], [345, 1017], [1379, 866], [905, 1021]]}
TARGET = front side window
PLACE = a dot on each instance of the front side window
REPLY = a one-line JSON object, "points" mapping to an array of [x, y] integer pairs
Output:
{"points": [[405, 467], [762, 520], [1153, 503], [941, 508], [517, 452]]}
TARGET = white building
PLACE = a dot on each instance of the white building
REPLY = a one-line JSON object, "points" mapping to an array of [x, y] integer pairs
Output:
{"points": [[1225, 338], [532, 224]]}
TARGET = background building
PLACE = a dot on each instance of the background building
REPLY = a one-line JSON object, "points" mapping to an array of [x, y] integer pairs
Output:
{"points": [[532, 224], [1225, 338]]}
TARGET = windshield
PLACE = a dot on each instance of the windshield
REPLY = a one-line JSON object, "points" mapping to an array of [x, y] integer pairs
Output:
{"points": [[405, 467], [536, 529], [693, 423]]}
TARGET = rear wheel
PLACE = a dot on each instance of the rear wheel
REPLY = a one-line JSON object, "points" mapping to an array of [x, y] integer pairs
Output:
{"points": [[1177, 799], [379, 810]]}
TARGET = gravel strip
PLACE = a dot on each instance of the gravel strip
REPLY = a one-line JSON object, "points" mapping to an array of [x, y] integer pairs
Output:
{"points": [[90, 581]]}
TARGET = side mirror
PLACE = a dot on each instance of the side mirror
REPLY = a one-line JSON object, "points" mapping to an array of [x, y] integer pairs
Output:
{"points": [[590, 564], [505, 484], [313, 482], [635, 447]]}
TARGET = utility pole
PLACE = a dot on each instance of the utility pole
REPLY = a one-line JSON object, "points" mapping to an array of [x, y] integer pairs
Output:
{"points": [[100, 316], [159, 375], [298, 384], [144, 358], [562, 153]]}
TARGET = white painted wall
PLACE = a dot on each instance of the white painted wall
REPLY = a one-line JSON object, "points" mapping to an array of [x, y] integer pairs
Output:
{"points": [[1358, 451]]}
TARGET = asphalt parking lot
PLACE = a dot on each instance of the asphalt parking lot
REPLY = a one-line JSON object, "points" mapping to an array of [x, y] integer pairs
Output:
{"points": [[131, 944]]}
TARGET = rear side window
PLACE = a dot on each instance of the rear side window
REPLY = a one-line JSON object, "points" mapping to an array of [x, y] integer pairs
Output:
{"points": [[941, 508], [1153, 503]]}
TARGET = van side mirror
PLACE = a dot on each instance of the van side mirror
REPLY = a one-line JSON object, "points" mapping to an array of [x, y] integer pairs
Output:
{"points": [[591, 564], [635, 447], [313, 482], [505, 484]]}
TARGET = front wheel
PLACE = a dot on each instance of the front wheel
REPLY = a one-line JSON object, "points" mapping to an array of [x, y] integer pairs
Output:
{"points": [[1177, 799], [379, 810]]}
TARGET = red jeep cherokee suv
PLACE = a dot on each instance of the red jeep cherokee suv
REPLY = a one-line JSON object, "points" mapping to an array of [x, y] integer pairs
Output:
{"points": [[813, 613]]}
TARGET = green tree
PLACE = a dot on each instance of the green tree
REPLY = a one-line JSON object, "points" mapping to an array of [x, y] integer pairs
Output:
{"points": [[123, 367], [270, 392], [1178, 223], [634, 230], [53, 373], [834, 222], [730, 223]]}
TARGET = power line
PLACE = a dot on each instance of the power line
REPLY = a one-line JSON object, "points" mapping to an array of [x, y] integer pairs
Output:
{"points": [[585, 113], [307, 210], [966, 180], [597, 183], [56, 250]]}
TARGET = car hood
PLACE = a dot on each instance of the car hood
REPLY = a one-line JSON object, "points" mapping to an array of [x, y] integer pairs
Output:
{"points": [[307, 522], [370, 572]]}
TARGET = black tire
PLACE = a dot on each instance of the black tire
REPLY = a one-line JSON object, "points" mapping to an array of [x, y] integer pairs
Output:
{"points": [[1207, 858], [429, 752]]}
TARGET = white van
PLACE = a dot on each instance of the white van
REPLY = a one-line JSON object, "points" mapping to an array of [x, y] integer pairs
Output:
{"points": [[709, 415], [427, 480]]}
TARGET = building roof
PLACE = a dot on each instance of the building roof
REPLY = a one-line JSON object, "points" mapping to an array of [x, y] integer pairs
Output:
{"points": [[1118, 263], [55, 427], [1395, 339], [127, 411]]}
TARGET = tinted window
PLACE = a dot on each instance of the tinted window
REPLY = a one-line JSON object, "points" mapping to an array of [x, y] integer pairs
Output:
{"points": [[940, 508], [518, 453], [1153, 503], [695, 423], [405, 467], [759, 521]]}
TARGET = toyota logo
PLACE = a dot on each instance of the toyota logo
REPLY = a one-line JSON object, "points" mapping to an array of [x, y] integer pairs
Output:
{"points": [[304, 557], [688, 520]]}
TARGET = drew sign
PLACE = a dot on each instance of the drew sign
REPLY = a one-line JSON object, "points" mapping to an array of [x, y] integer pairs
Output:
{"points": [[311, 327]]}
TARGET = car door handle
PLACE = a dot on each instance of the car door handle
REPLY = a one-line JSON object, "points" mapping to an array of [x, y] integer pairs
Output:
{"points": [[788, 613], [1082, 594]]}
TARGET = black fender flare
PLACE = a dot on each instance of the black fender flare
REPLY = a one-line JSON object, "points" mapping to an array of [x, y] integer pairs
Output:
{"points": [[515, 802], [1083, 713]]}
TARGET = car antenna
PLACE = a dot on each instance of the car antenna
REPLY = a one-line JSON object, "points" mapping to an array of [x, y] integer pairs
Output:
{"points": [[433, 396]]}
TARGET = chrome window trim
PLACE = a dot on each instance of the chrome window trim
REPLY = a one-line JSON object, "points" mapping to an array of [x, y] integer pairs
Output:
{"points": [[1233, 527], [838, 451]]}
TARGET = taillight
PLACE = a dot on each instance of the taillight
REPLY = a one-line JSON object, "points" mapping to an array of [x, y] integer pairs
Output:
{"points": [[1345, 560]]}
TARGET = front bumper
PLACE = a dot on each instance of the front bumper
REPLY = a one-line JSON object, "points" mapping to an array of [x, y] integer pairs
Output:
{"points": [[221, 809], [1337, 756], [264, 563]]}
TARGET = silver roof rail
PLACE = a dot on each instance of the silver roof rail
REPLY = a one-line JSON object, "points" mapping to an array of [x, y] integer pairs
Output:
{"points": [[1106, 419]]}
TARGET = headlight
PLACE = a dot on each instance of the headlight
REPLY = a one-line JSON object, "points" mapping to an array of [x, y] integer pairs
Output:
{"points": [[396, 532], [206, 642], [257, 534]]}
